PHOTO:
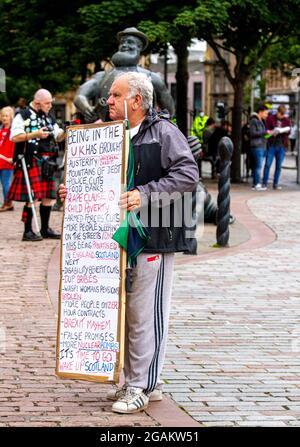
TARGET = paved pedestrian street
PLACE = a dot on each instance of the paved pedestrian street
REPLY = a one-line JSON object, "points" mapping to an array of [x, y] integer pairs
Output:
{"points": [[234, 346], [233, 355]]}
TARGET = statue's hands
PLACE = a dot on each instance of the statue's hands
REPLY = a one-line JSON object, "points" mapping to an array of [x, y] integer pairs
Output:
{"points": [[90, 114]]}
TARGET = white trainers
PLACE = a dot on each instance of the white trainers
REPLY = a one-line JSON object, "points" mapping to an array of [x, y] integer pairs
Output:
{"points": [[156, 395], [117, 393], [133, 401], [259, 187]]}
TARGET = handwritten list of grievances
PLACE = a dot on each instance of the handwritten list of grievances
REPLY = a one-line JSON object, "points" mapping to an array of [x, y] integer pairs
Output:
{"points": [[89, 306]]}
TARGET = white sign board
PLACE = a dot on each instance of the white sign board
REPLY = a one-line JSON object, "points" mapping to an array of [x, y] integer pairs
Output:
{"points": [[90, 327]]}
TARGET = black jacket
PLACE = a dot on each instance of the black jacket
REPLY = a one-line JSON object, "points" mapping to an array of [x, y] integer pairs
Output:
{"points": [[34, 120], [164, 166], [257, 132]]}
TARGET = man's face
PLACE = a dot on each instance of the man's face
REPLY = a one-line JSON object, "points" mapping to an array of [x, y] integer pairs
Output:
{"points": [[117, 95], [45, 104], [280, 115]]}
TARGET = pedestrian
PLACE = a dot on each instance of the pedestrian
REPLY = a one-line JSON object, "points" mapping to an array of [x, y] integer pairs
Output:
{"points": [[165, 165], [220, 131], [293, 137], [258, 144], [245, 148], [199, 125], [209, 129], [6, 156], [278, 144], [21, 105], [35, 133]]}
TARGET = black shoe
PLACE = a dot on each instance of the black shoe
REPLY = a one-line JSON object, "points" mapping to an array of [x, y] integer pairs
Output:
{"points": [[50, 234], [31, 236]]}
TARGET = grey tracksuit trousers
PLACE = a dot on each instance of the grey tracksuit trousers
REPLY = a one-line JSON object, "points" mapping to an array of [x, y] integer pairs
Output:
{"points": [[147, 316]]}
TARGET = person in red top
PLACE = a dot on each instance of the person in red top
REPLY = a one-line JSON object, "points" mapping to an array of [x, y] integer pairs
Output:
{"points": [[6, 155]]}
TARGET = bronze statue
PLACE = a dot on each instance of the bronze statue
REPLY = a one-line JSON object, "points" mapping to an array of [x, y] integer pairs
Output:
{"points": [[131, 43]]}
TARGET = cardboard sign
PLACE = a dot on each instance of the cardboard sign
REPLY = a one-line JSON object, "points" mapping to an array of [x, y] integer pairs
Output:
{"points": [[92, 285]]}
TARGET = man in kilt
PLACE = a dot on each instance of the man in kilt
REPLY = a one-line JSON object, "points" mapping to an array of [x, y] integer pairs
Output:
{"points": [[35, 133]]}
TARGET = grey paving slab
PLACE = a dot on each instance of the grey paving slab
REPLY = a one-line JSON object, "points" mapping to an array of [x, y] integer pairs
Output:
{"points": [[241, 313], [234, 337]]}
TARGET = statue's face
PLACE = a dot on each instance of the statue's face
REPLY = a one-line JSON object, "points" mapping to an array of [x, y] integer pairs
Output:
{"points": [[130, 44], [128, 53]]}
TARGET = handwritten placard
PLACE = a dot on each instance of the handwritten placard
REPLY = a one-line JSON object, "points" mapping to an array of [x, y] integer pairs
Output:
{"points": [[90, 327]]}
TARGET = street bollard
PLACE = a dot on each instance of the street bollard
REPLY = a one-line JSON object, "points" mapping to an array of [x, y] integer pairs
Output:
{"points": [[225, 150]]}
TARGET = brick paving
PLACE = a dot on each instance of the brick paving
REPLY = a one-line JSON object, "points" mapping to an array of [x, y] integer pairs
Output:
{"points": [[30, 393], [233, 354], [233, 351]]}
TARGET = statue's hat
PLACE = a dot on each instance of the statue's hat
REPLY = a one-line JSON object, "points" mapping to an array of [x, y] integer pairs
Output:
{"points": [[132, 31]]}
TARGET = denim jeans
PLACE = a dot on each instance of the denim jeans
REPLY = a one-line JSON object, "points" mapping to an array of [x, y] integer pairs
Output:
{"points": [[279, 153], [5, 178], [258, 154]]}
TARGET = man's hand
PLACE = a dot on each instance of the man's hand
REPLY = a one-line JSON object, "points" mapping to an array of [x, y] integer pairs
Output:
{"points": [[130, 200], [62, 192], [42, 133], [61, 136]]}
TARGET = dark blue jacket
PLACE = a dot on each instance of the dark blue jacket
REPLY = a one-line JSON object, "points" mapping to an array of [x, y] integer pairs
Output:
{"points": [[164, 164]]}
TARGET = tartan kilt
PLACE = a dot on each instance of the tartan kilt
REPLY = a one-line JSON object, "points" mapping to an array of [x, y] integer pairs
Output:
{"points": [[41, 189]]}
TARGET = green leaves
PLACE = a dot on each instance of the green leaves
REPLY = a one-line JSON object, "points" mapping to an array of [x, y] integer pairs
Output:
{"points": [[40, 45], [50, 44]]}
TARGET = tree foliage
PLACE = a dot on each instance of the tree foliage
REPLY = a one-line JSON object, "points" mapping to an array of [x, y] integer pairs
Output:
{"points": [[246, 29], [40, 45], [49, 44], [160, 20]]}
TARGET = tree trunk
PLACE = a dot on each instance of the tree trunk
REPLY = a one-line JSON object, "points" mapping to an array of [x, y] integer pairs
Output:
{"points": [[237, 130], [182, 77]]}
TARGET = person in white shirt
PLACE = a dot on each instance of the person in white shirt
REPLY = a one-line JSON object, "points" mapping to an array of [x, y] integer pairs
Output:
{"points": [[35, 132]]}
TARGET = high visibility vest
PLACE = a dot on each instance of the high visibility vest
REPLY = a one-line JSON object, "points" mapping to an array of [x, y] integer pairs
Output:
{"points": [[199, 126]]}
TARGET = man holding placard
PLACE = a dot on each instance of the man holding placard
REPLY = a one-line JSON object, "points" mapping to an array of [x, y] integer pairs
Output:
{"points": [[163, 166]]}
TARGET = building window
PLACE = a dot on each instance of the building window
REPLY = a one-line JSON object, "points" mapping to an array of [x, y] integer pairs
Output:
{"points": [[197, 97]]}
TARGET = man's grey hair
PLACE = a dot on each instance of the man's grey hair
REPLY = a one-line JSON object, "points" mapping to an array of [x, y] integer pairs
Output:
{"points": [[140, 84]]}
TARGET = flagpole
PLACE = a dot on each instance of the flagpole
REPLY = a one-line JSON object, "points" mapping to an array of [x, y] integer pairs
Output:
{"points": [[123, 253]]}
